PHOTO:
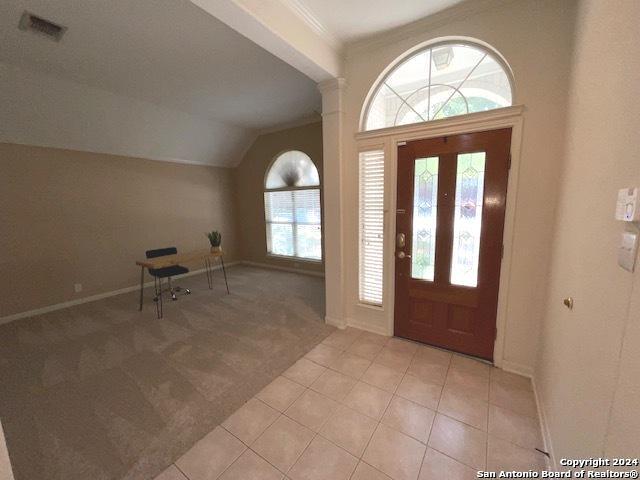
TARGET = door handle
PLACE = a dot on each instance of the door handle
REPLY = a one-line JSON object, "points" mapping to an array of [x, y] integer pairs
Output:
{"points": [[402, 255], [400, 240]]}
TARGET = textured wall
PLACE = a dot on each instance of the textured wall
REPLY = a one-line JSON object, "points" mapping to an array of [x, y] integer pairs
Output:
{"points": [[588, 370], [75, 217]]}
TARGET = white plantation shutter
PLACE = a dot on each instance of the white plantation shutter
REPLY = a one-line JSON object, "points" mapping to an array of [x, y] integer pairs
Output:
{"points": [[371, 225]]}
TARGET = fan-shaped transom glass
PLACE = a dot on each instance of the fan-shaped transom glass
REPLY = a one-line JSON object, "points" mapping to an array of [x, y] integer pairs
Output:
{"points": [[292, 169], [438, 82]]}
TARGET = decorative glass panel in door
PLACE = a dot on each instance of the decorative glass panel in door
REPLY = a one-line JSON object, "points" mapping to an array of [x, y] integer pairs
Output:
{"points": [[467, 219], [425, 212]]}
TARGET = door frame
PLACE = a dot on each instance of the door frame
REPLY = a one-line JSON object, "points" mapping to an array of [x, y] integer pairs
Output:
{"points": [[387, 139]]}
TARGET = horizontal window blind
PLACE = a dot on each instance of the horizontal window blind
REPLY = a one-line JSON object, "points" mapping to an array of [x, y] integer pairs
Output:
{"points": [[371, 226], [293, 220]]}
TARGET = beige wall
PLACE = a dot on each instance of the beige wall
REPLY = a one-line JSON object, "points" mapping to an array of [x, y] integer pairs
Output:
{"points": [[535, 38], [250, 176], [75, 217], [588, 373]]}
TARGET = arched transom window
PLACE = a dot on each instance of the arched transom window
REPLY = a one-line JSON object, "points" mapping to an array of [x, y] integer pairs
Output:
{"points": [[292, 207], [442, 80]]}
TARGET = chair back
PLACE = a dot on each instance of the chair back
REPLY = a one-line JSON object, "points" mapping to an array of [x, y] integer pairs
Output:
{"points": [[161, 252]]}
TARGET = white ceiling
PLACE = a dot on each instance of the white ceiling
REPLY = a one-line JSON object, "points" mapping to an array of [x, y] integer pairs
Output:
{"points": [[351, 20], [167, 52]]}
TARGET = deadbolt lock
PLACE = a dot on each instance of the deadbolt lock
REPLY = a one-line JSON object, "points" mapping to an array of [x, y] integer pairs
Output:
{"points": [[400, 240]]}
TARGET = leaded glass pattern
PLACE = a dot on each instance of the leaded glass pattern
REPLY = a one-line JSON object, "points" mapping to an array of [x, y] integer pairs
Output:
{"points": [[439, 82], [425, 210], [467, 224]]}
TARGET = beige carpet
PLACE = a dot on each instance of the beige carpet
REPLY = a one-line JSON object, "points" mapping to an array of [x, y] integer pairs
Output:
{"points": [[100, 391]]}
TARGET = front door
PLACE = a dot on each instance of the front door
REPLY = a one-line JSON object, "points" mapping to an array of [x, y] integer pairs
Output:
{"points": [[449, 223]]}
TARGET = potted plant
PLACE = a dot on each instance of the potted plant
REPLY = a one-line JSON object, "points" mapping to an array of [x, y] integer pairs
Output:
{"points": [[215, 238]]}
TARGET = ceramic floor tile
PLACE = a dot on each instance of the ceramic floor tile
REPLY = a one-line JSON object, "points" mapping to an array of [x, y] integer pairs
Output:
{"points": [[409, 418], [250, 420], [365, 471], [342, 339], [437, 466], [382, 377], [349, 429], [401, 345], [365, 349], [509, 379], [171, 473], [323, 460], [304, 372], [428, 370], [280, 393], [311, 409], [208, 458], [425, 394], [350, 364], [514, 399], [251, 467], [395, 454], [367, 399], [466, 444], [466, 409], [374, 338], [502, 455], [513, 427], [393, 359], [468, 383], [283, 442], [433, 355], [334, 385], [323, 355], [471, 366]]}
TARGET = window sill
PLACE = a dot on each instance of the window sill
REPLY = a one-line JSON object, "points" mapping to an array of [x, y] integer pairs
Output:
{"points": [[295, 259]]}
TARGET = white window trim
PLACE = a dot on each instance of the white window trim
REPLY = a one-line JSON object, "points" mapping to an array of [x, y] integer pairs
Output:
{"points": [[433, 43], [388, 138]]}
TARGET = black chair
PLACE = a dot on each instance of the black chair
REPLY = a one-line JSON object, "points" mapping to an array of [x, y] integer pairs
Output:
{"points": [[167, 272]]}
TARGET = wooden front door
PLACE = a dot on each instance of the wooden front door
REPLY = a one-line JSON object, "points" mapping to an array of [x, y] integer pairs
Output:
{"points": [[449, 223]]}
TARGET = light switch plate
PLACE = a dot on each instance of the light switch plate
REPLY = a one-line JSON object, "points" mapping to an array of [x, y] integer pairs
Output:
{"points": [[628, 249]]}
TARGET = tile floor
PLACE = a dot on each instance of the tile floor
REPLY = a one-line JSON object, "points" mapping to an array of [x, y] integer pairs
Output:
{"points": [[361, 406]]}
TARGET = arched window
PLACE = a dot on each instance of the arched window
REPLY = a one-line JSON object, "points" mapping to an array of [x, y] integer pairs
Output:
{"points": [[441, 80], [292, 207]]}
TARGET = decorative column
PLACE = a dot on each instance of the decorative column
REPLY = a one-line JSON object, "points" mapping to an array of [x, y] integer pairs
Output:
{"points": [[333, 199]]}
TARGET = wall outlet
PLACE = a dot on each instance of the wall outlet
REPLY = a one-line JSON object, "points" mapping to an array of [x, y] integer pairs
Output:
{"points": [[77, 287]]}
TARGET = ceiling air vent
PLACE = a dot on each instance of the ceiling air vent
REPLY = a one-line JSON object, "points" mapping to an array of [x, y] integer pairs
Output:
{"points": [[37, 24]]}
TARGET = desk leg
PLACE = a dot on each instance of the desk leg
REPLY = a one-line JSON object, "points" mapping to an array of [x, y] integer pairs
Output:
{"points": [[225, 274], [141, 286], [207, 269]]}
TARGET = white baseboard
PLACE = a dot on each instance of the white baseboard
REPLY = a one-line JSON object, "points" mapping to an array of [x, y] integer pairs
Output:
{"points": [[513, 367], [341, 324], [93, 298], [284, 269], [380, 330], [544, 426]]}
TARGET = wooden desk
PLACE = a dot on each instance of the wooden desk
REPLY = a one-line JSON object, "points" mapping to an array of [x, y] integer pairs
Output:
{"points": [[170, 260]]}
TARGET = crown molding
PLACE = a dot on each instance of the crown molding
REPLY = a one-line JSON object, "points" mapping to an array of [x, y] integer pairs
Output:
{"points": [[423, 25], [310, 19]]}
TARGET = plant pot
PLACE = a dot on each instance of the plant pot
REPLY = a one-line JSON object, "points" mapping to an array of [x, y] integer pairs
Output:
{"points": [[216, 249]]}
